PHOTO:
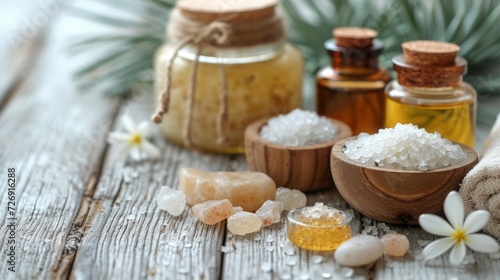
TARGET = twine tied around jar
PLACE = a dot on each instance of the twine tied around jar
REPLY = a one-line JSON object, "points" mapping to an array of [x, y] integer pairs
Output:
{"points": [[218, 33]]}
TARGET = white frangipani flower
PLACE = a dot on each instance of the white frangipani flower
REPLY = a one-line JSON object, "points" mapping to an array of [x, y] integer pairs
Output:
{"points": [[458, 233], [133, 141]]}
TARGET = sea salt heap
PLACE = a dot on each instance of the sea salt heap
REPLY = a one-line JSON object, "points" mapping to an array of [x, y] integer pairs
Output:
{"points": [[170, 200], [242, 223], [270, 212], [319, 213], [213, 211], [291, 198], [404, 147], [299, 128]]}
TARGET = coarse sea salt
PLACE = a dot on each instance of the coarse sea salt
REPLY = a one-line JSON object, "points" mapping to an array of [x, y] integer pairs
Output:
{"points": [[299, 128], [404, 147]]}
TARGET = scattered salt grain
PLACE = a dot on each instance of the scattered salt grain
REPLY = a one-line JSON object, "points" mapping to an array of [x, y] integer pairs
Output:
{"points": [[291, 198], [404, 147], [257, 237], [299, 128], [174, 242], [171, 200], [131, 217], [317, 258], [347, 272], [326, 275], [266, 266]]}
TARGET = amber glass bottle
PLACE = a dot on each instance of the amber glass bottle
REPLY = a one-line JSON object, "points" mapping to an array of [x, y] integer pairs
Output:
{"points": [[429, 91], [351, 89]]}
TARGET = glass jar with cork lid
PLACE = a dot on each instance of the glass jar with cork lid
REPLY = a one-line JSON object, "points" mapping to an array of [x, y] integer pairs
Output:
{"points": [[225, 65], [351, 89], [429, 91]]}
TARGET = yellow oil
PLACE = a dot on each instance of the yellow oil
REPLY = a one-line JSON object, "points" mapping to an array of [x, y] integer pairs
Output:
{"points": [[455, 121], [321, 235]]}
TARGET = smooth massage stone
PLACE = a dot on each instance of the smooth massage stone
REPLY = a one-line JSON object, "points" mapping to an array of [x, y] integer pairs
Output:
{"points": [[243, 223], [213, 211], [359, 250], [246, 189]]}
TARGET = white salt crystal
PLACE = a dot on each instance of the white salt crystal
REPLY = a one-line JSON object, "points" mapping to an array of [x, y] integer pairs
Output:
{"points": [[170, 200], [299, 128], [131, 217], [266, 266], [404, 147], [291, 198], [317, 258]]}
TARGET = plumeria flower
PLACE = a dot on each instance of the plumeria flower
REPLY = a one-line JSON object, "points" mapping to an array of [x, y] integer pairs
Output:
{"points": [[458, 233], [133, 141]]}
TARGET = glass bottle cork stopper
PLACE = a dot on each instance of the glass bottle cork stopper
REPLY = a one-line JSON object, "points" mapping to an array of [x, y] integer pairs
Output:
{"points": [[430, 53], [354, 37], [236, 10]]}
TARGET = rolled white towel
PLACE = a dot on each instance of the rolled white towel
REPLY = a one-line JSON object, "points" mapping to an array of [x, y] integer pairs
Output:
{"points": [[481, 186]]}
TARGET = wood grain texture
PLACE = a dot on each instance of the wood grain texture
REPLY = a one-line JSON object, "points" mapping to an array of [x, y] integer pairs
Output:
{"points": [[131, 238], [55, 147]]}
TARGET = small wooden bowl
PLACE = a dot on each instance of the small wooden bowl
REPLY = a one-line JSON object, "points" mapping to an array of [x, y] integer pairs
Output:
{"points": [[396, 196], [305, 168]]}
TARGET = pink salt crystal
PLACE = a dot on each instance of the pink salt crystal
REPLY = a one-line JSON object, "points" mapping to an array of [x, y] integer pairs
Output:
{"points": [[246, 189], [270, 212], [395, 244], [242, 223], [213, 211]]}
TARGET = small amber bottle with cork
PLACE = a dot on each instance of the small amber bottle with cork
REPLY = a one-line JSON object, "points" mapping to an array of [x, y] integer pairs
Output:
{"points": [[351, 89], [429, 91]]}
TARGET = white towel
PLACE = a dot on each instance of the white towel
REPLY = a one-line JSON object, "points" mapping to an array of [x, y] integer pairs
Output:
{"points": [[481, 186]]}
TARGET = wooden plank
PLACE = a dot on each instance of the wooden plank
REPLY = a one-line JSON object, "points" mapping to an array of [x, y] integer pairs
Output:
{"points": [[55, 144], [131, 238]]}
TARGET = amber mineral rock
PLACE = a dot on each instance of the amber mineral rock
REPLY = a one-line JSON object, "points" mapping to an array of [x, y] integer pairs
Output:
{"points": [[246, 189]]}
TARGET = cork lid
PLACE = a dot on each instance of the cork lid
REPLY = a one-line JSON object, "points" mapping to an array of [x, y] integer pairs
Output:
{"points": [[430, 53], [354, 36], [235, 10]]}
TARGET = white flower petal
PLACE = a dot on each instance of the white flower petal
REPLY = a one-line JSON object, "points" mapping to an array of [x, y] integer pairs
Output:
{"points": [[435, 225], [118, 138], [144, 128], [135, 153], [476, 221], [482, 243], [457, 254], [128, 123], [454, 209], [437, 248], [151, 150]]}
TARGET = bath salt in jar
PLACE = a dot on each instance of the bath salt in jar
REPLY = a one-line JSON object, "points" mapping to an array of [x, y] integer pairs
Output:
{"points": [[429, 91], [225, 65]]}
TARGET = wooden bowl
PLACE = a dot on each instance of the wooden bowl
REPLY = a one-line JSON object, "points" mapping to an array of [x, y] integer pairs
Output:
{"points": [[396, 196], [305, 168]]}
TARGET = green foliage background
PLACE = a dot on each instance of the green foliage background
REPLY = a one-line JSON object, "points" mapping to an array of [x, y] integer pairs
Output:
{"points": [[472, 24]]}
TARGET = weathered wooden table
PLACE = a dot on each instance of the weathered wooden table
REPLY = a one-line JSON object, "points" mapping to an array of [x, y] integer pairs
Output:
{"points": [[83, 214]]}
